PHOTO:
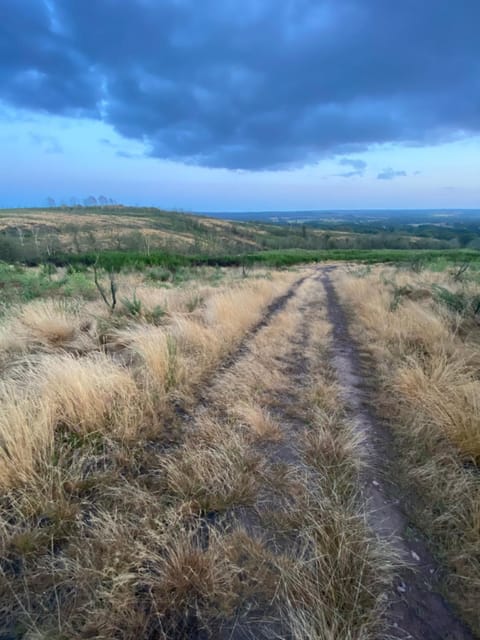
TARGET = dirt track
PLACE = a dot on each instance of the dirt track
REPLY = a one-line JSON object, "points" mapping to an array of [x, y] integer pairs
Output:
{"points": [[286, 408], [416, 609]]}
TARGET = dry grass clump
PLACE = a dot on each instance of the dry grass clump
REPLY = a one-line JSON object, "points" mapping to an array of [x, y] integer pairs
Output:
{"points": [[334, 448], [233, 312], [156, 359], [11, 345], [334, 585], [26, 435], [45, 326], [429, 390], [172, 589], [445, 393], [81, 396], [260, 420], [89, 394], [215, 474], [325, 393], [48, 322]]}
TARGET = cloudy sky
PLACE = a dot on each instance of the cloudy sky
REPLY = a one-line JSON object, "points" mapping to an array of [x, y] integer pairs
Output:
{"points": [[241, 104]]}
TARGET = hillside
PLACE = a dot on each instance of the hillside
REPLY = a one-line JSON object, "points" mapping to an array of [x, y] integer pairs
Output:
{"points": [[34, 235]]}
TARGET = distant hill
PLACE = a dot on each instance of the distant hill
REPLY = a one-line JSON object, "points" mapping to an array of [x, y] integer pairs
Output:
{"points": [[32, 235], [355, 216]]}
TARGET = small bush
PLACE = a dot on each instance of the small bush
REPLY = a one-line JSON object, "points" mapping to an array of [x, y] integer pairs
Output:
{"points": [[458, 301], [159, 275], [133, 306], [78, 284], [155, 315]]}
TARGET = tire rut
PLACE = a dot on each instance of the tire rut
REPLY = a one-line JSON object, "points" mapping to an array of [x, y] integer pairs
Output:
{"points": [[416, 609], [278, 304], [257, 623]]}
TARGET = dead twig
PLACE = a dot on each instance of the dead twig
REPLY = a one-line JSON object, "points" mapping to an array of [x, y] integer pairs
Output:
{"points": [[111, 304]]}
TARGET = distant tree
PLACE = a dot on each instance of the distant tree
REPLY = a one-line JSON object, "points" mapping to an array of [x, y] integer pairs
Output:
{"points": [[102, 200], [91, 201], [51, 202]]}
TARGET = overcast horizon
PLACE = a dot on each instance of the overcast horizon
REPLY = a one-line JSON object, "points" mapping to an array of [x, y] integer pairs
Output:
{"points": [[286, 105]]}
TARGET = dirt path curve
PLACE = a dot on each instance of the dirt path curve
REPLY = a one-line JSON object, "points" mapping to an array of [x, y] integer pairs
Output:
{"points": [[416, 610]]}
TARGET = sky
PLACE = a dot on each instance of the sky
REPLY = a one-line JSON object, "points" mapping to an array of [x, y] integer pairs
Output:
{"points": [[241, 105]]}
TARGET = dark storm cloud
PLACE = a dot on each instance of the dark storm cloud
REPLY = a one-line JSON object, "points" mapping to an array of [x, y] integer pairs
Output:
{"points": [[39, 69], [250, 84], [390, 174]]}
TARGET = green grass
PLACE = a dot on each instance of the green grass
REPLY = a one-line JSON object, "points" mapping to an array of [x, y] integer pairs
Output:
{"points": [[21, 284], [117, 260]]}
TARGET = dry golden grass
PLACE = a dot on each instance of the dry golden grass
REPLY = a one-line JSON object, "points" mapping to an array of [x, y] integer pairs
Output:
{"points": [[214, 476], [96, 392], [118, 531], [48, 322], [156, 365], [334, 586], [231, 313], [259, 420], [45, 325], [26, 435], [173, 588], [89, 394], [445, 393]]}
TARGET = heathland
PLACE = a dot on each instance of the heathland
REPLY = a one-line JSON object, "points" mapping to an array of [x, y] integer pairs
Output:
{"points": [[204, 434]]}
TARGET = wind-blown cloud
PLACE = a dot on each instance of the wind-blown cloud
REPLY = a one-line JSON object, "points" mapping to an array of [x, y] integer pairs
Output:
{"points": [[358, 167], [249, 84], [391, 174], [49, 144]]}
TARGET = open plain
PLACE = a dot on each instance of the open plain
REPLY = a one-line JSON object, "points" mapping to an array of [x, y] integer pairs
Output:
{"points": [[240, 454]]}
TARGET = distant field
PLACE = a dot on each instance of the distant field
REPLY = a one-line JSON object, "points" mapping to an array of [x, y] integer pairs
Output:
{"points": [[34, 236]]}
